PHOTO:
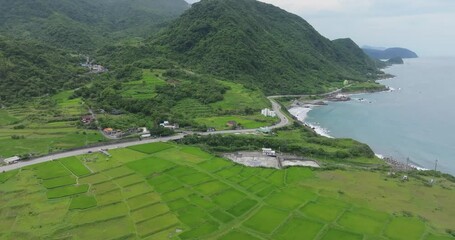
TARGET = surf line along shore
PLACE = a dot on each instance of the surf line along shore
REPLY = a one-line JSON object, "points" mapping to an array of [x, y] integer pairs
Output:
{"points": [[301, 113], [301, 108]]}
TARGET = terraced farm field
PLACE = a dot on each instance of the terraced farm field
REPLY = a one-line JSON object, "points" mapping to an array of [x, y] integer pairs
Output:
{"points": [[144, 88], [167, 191], [44, 125]]}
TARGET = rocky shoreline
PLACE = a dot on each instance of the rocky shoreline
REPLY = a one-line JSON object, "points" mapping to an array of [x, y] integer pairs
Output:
{"points": [[400, 166]]}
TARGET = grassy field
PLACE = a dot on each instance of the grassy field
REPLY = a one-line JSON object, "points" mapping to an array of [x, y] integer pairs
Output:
{"points": [[166, 191], [238, 97], [144, 88], [43, 126], [232, 108], [253, 121]]}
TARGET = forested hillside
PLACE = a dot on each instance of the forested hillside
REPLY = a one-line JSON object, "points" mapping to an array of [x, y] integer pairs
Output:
{"points": [[258, 44], [41, 40], [245, 41], [31, 69], [85, 25]]}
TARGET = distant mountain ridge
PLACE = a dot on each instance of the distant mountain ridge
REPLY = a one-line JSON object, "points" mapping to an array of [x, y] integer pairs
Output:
{"points": [[85, 24], [389, 53], [260, 45]]}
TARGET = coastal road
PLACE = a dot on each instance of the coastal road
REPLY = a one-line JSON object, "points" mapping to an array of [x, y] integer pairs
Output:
{"points": [[306, 95], [86, 150], [284, 121]]}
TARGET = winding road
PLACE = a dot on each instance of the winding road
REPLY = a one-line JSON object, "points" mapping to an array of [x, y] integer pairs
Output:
{"points": [[284, 121]]}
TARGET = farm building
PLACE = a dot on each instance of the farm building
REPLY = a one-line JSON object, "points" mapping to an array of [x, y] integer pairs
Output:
{"points": [[167, 124], [12, 160], [143, 130], [108, 130], [231, 124], [87, 119], [265, 130]]}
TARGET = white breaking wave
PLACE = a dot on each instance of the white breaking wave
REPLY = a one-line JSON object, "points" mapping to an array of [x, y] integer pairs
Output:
{"points": [[301, 114], [320, 130]]}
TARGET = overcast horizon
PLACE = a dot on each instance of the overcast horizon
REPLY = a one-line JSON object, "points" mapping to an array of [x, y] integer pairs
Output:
{"points": [[423, 26]]}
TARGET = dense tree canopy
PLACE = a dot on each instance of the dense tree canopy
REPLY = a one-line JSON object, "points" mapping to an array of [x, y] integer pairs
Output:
{"points": [[85, 25], [31, 69], [246, 41], [261, 45]]}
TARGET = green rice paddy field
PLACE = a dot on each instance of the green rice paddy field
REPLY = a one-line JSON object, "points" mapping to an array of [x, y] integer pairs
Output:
{"points": [[165, 191]]}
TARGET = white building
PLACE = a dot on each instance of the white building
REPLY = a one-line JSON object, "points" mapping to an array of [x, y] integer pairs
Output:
{"points": [[268, 113], [143, 130], [12, 160], [268, 152], [146, 135], [166, 124]]}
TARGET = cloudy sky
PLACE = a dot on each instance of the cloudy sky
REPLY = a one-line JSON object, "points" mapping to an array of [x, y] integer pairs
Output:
{"points": [[425, 26]]}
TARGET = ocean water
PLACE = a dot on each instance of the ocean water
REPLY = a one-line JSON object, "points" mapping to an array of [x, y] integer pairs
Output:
{"points": [[416, 120]]}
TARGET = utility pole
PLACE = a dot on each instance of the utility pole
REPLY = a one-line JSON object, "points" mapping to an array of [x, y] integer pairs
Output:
{"points": [[436, 165]]}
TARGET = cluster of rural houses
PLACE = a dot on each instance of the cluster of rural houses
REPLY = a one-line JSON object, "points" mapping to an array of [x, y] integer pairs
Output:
{"points": [[268, 113], [94, 68], [115, 133]]}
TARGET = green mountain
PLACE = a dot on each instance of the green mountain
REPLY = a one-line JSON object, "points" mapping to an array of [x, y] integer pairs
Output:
{"points": [[260, 45], [37, 36], [30, 69], [85, 25]]}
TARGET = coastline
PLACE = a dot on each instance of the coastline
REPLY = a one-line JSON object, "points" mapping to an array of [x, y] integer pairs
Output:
{"points": [[301, 113], [301, 109]]}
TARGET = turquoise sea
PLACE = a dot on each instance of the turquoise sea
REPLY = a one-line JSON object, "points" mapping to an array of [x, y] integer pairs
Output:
{"points": [[416, 120]]}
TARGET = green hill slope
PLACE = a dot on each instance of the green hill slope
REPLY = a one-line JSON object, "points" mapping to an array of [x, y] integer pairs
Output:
{"points": [[31, 69], [84, 25], [258, 44]]}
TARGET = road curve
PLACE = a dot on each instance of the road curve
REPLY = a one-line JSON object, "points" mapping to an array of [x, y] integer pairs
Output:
{"points": [[284, 121]]}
